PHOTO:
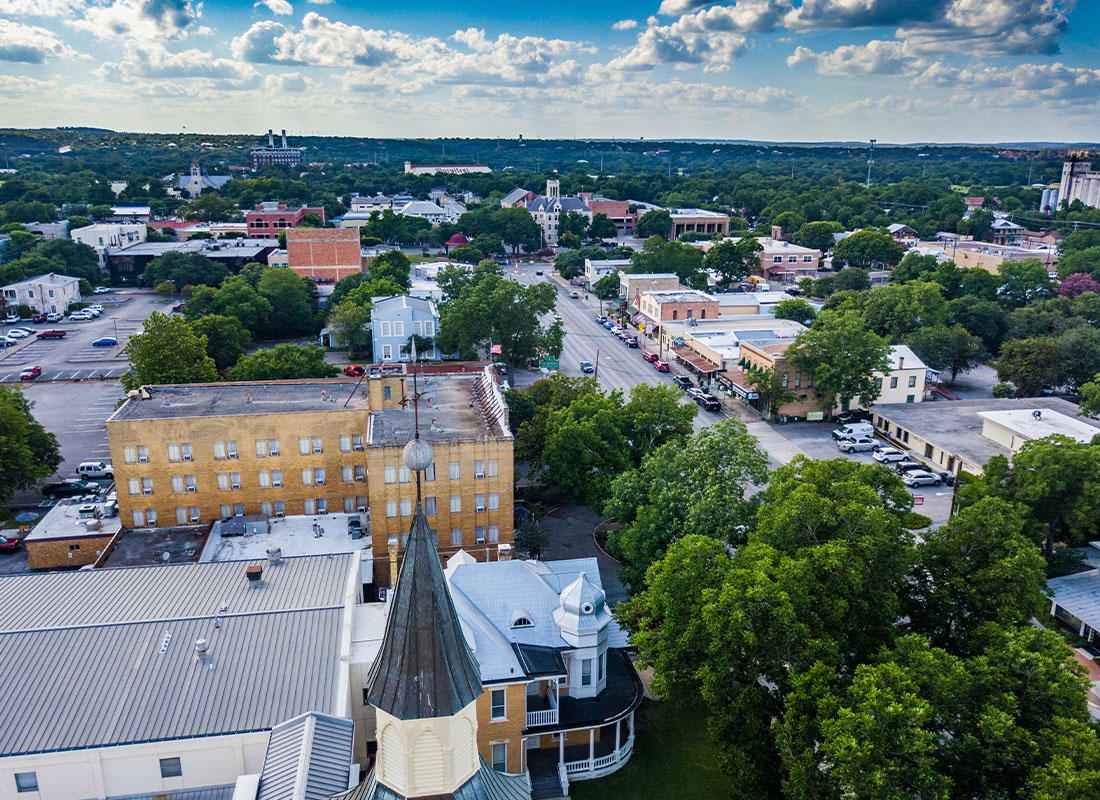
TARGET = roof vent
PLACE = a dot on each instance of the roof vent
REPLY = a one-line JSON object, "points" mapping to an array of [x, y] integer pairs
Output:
{"points": [[1037, 414], [274, 554], [201, 649], [254, 574]]}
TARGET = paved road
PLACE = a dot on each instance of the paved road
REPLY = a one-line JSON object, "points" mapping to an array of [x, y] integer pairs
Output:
{"points": [[74, 357]]}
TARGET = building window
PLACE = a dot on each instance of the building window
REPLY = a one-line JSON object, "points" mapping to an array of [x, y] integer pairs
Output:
{"points": [[387, 352], [347, 474], [479, 469], [235, 480], [456, 537], [389, 475], [494, 533], [146, 485], [139, 518], [454, 470], [345, 443], [276, 478], [878, 382], [307, 476], [280, 508], [498, 707], [265, 479], [912, 381], [909, 398], [238, 509], [303, 445], [500, 756], [223, 481], [601, 666], [194, 513], [494, 468], [129, 454], [429, 473], [134, 485], [399, 328], [318, 445], [586, 672], [273, 446], [177, 484], [386, 392], [429, 505], [261, 448], [219, 450], [386, 329], [494, 501], [181, 515], [171, 768], [894, 382], [479, 534], [319, 476], [406, 508], [786, 379], [360, 473], [403, 475], [479, 502], [173, 452], [26, 781], [391, 508], [310, 505], [188, 453]]}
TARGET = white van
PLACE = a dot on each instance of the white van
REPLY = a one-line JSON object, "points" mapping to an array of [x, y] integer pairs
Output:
{"points": [[95, 469], [853, 430]]}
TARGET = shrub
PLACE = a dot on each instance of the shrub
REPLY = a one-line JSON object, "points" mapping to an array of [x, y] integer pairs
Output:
{"points": [[165, 289]]}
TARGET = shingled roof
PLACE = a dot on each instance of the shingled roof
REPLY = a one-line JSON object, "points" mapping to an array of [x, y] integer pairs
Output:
{"points": [[425, 668]]}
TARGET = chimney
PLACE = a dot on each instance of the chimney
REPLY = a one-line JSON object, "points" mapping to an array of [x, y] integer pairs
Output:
{"points": [[504, 552], [901, 362], [270, 138], [274, 554], [284, 137], [254, 574], [201, 649]]}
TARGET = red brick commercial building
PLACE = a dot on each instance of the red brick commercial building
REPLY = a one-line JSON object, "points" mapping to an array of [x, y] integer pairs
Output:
{"points": [[618, 211], [324, 255], [269, 219]]}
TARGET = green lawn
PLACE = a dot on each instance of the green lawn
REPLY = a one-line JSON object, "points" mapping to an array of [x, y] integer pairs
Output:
{"points": [[673, 759]]}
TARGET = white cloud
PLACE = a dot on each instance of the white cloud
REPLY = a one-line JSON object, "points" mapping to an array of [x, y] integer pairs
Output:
{"points": [[877, 57], [140, 19], [38, 8], [319, 2], [1026, 85], [625, 25], [703, 39], [289, 83], [276, 7], [152, 60], [29, 44]]}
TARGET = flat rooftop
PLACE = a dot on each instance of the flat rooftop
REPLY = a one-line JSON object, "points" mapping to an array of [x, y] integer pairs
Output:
{"points": [[157, 546], [1024, 423], [242, 399], [679, 296], [294, 535], [464, 406], [70, 519], [956, 425]]}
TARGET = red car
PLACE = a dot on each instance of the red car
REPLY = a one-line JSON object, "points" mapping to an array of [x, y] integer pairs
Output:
{"points": [[8, 545], [38, 318], [52, 334], [660, 366], [650, 357], [30, 373], [355, 371]]}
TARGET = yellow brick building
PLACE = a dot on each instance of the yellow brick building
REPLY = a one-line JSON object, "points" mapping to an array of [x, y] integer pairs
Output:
{"points": [[194, 454]]}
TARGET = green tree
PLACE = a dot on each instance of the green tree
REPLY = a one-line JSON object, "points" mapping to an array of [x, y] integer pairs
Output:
{"points": [[685, 261], [284, 362], [654, 416], [1023, 282], [209, 207], [1078, 354], [867, 248], [573, 222], [771, 386], [516, 229], [952, 349], [657, 222], [168, 350], [28, 453], [184, 269], [602, 227], [586, 447], [70, 258], [570, 240], [983, 318], [843, 356], [531, 539], [1029, 364], [234, 298], [529, 408], [795, 308], [289, 296], [226, 338], [734, 261], [392, 265], [817, 235], [607, 287], [896, 310], [350, 324], [978, 226], [165, 288]]}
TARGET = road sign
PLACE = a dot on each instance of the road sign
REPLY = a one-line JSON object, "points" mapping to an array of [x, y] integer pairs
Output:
{"points": [[918, 501], [815, 416], [548, 362]]}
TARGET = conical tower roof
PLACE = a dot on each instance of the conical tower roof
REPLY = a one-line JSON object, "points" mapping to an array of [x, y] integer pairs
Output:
{"points": [[425, 668]]}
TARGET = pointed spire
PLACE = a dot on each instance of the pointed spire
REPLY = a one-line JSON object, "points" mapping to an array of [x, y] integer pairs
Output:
{"points": [[425, 668]]}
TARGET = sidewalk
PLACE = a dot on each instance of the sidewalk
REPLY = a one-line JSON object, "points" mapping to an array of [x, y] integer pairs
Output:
{"points": [[779, 448]]}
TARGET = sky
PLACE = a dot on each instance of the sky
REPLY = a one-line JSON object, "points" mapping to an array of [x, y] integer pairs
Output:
{"points": [[780, 70]]}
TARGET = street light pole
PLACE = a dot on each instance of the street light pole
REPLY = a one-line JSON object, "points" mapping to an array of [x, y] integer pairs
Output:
{"points": [[115, 321]]}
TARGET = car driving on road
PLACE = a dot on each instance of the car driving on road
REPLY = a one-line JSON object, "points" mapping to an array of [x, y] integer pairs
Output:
{"points": [[586, 367]]}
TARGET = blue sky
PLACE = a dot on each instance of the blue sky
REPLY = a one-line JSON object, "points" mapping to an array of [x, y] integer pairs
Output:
{"points": [[807, 70]]}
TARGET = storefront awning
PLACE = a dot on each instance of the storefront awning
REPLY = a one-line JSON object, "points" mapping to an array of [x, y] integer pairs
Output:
{"points": [[689, 356], [735, 382]]}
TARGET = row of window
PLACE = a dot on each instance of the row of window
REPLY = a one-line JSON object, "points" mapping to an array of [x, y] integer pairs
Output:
{"points": [[185, 515], [267, 479], [397, 328], [797, 380], [792, 259], [894, 382], [489, 502], [265, 448], [28, 781], [482, 469]]}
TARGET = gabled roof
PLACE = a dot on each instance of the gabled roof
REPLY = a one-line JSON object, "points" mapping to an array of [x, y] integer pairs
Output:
{"points": [[387, 305], [425, 668], [308, 758], [485, 784], [514, 196]]}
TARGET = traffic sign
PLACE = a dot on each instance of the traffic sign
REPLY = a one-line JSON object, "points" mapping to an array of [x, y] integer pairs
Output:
{"points": [[918, 501], [548, 362]]}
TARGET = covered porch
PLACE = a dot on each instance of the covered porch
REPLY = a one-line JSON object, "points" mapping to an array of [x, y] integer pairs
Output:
{"points": [[608, 748]]}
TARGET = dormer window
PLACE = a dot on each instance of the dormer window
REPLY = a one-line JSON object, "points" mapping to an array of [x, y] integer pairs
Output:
{"points": [[522, 622], [587, 608]]}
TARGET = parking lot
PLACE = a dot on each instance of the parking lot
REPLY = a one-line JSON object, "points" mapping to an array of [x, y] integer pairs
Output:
{"points": [[76, 415], [74, 357]]}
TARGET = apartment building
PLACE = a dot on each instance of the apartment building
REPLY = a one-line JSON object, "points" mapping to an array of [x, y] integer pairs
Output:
{"points": [[193, 454], [48, 294], [267, 220]]}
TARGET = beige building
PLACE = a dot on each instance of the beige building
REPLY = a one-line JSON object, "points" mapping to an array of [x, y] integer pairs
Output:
{"points": [[967, 254], [903, 383], [780, 261], [190, 455], [633, 284]]}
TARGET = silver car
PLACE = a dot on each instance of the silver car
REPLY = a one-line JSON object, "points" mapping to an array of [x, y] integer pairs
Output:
{"points": [[920, 477], [855, 443]]}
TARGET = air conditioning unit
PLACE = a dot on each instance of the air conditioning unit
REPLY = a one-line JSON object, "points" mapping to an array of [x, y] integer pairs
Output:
{"points": [[192, 488], [280, 513], [362, 509], [188, 458], [321, 482], [236, 486]]}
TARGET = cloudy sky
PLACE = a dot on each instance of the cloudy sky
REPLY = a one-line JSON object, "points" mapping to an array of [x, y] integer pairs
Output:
{"points": [[808, 70]]}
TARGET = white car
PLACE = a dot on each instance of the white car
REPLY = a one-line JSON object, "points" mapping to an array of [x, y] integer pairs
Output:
{"points": [[888, 454], [103, 290], [56, 316], [96, 307], [19, 333], [94, 312], [857, 443], [81, 316]]}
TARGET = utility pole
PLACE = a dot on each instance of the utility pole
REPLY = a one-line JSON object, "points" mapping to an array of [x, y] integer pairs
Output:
{"points": [[870, 161], [597, 373]]}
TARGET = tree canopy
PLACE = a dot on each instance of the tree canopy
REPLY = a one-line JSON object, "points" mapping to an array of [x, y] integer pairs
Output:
{"points": [[168, 350], [28, 453]]}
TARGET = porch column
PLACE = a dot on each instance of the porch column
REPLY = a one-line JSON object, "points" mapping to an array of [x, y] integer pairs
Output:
{"points": [[561, 748], [591, 748], [618, 739]]}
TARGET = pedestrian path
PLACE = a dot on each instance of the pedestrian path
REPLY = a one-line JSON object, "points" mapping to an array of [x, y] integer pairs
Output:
{"points": [[779, 448]]}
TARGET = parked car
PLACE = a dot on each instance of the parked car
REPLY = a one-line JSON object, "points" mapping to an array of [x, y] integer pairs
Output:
{"points": [[7, 342], [854, 429], [793, 291], [680, 380], [708, 402], [81, 316], [855, 443], [609, 325], [694, 391], [30, 373], [650, 357], [179, 306], [601, 319], [68, 487], [19, 333], [660, 366], [886, 455], [11, 319], [355, 371], [901, 467], [574, 294], [852, 417], [38, 318], [586, 367], [631, 341], [9, 544], [105, 341], [920, 477], [95, 469], [557, 317], [56, 316], [95, 307], [102, 290], [93, 312], [51, 333]]}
